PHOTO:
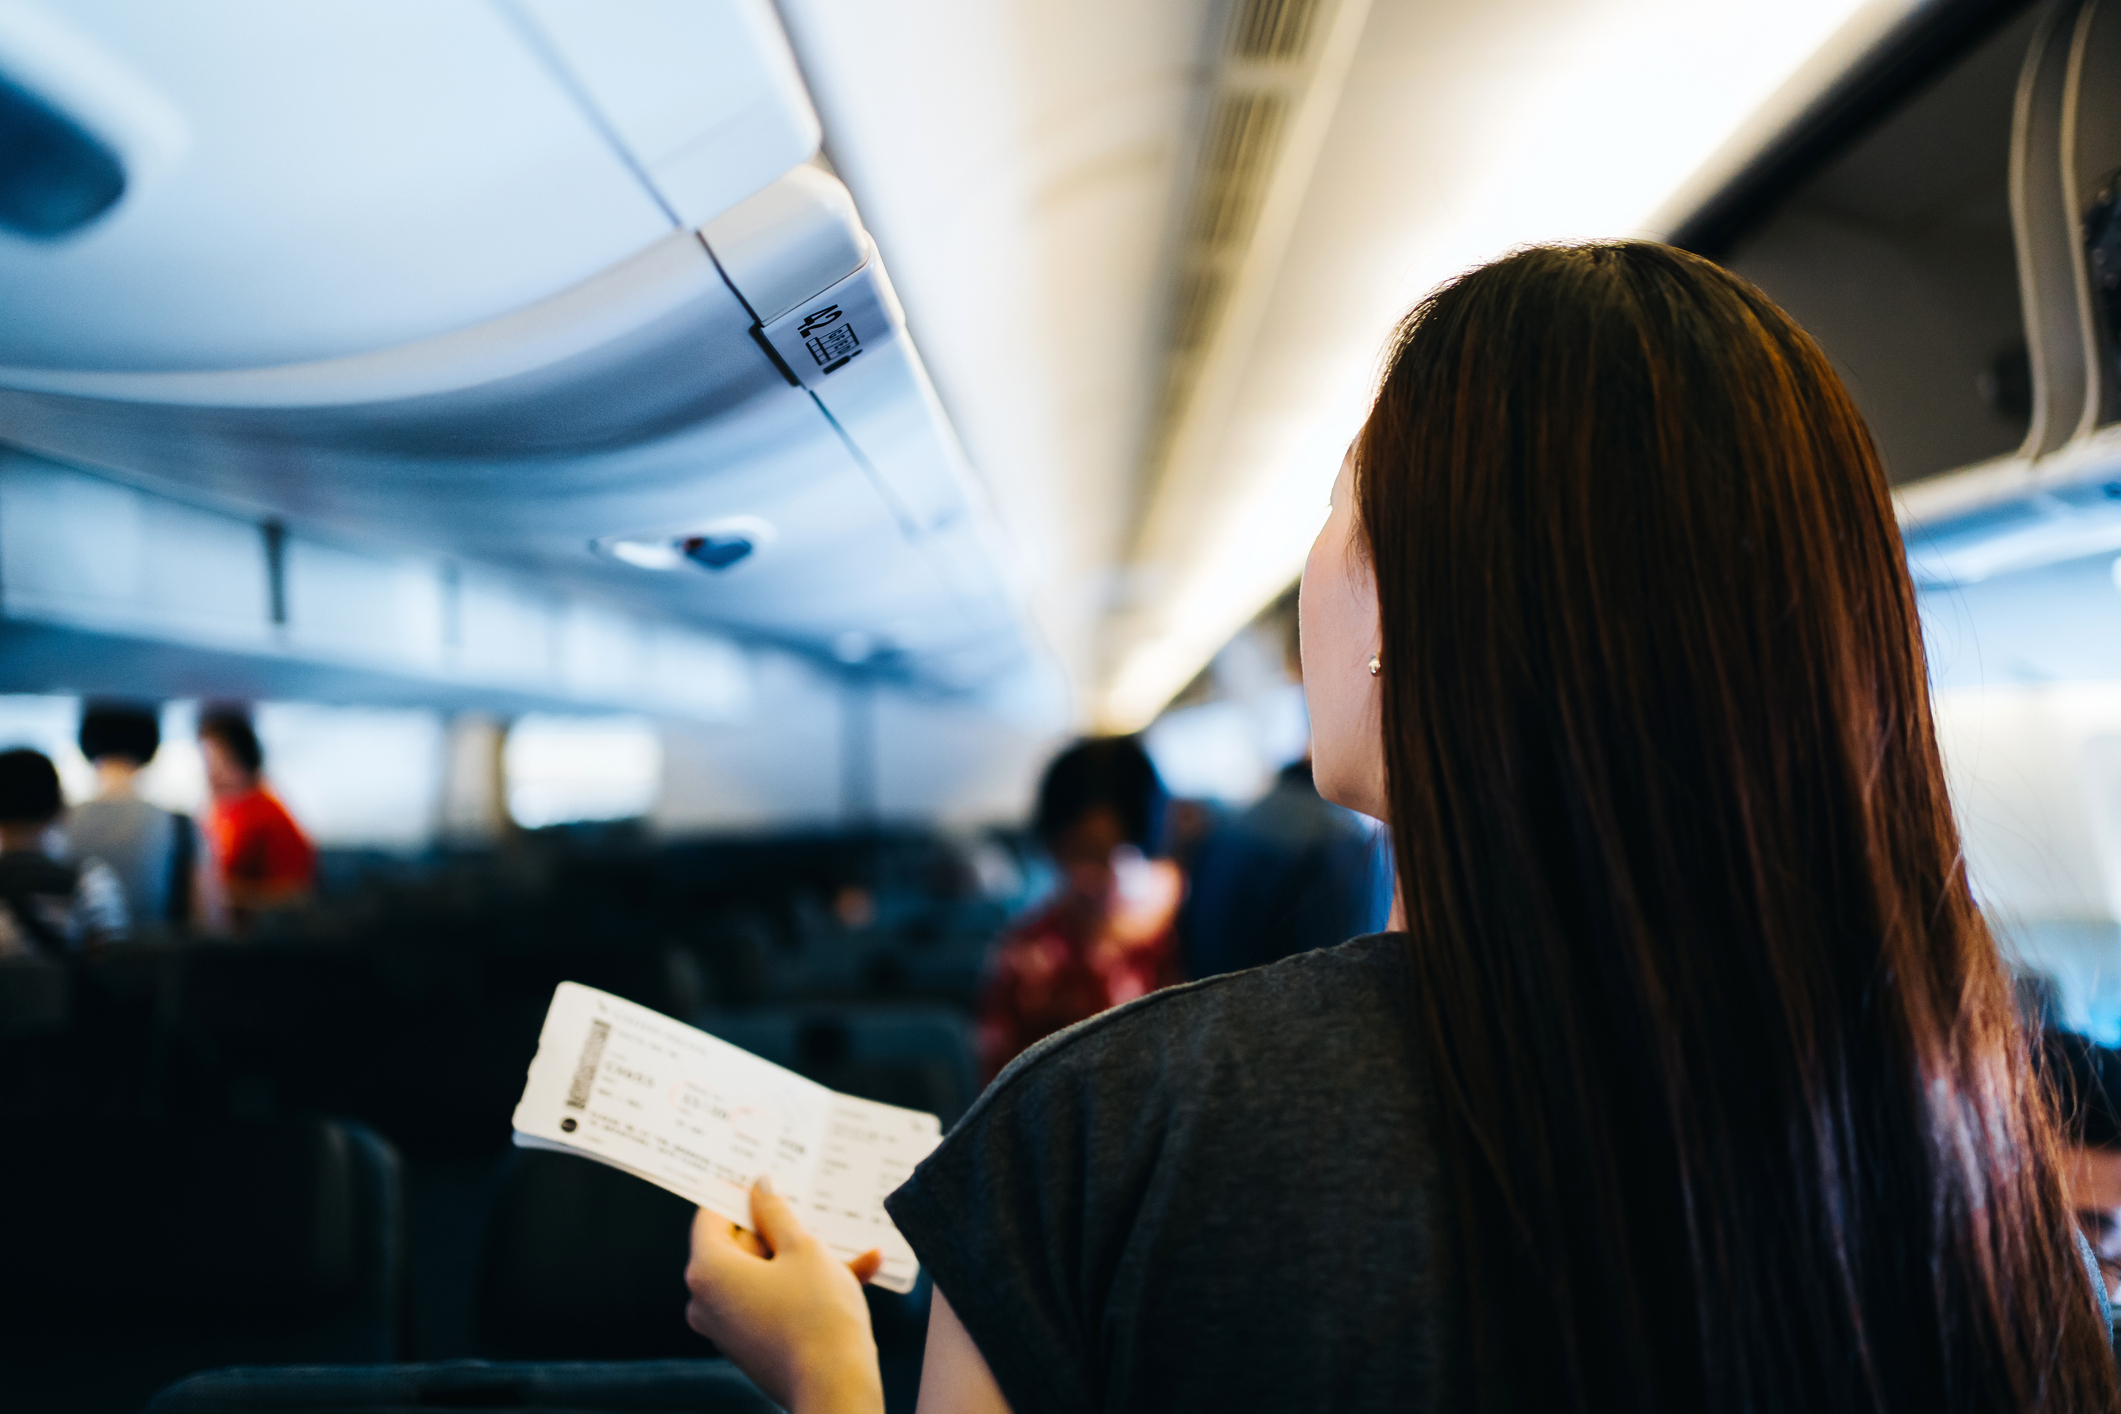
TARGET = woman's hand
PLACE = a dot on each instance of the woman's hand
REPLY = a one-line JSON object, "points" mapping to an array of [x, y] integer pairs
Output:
{"points": [[779, 1305]]}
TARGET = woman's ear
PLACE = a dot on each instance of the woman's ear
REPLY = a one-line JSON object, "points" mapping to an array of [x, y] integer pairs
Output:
{"points": [[1338, 632]]}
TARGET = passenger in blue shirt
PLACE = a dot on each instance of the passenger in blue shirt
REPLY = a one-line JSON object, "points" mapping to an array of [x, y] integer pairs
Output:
{"points": [[1292, 873]]}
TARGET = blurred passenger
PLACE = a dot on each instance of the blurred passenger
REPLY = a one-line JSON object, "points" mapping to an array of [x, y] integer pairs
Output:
{"points": [[264, 859], [1293, 873], [1108, 935], [1188, 824], [2086, 1079], [48, 904], [157, 854]]}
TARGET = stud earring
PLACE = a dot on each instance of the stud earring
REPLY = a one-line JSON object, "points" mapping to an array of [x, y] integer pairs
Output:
{"points": [[1375, 669]]}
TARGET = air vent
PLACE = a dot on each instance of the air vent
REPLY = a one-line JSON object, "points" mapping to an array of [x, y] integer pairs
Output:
{"points": [[1272, 29], [1242, 141], [55, 177], [1200, 299], [1236, 163], [1262, 73]]}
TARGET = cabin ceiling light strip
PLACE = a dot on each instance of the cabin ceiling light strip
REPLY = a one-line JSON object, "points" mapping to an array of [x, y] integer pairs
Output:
{"points": [[1585, 129], [1273, 95]]}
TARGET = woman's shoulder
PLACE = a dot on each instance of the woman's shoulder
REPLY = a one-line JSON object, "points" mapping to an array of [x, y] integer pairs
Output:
{"points": [[1320, 1011], [1083, 1216]]}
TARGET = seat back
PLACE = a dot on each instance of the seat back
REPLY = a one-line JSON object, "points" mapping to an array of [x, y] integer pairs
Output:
{"points": [[635, 1387], [35, 998], [268, 1242], [582, 1262], [919, 1057]]}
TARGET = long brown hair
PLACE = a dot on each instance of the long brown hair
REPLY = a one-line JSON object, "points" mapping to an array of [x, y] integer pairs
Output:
{"points": [[1733, 1108]]}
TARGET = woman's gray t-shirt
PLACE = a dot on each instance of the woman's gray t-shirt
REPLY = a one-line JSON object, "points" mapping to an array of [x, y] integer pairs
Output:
{"points": [[1216, 1197]]}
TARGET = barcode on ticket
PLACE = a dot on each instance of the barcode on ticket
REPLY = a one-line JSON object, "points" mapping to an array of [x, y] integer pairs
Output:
{"points": [[585, 1072]]}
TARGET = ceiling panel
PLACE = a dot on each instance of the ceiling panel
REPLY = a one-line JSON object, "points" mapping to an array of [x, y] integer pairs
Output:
{"points": [[341, 178]]}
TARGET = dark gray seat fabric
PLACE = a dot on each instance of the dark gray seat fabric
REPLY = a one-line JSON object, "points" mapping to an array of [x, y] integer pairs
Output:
{"points": [[35, 997], [583, 1262], [264, 1243], [635, 1387], [917, 1057]]}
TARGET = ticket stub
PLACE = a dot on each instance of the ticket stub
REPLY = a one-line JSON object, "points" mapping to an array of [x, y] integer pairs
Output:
{"points": [[630, 1087]]}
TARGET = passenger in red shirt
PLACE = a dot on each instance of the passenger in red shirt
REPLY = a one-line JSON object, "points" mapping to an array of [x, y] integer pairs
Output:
{"points": [[1109, 934], [266, 862]]}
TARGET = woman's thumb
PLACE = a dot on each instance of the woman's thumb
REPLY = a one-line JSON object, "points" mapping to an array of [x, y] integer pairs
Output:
{"points": [[771, 1217]]}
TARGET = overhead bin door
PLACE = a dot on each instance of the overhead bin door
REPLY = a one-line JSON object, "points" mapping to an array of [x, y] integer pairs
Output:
{"points": [[536, 364]]}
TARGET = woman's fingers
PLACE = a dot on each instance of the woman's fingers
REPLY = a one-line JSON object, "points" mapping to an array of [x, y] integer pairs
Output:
{"points": [[713, 1252], [714, 1236], [718, 1245], [716, 1242], [711, 1242], [772, 1218], [780, 1304], [774, 1227]]}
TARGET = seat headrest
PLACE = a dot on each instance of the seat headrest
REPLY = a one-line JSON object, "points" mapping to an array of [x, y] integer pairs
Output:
{"points": [[256, 1226]]}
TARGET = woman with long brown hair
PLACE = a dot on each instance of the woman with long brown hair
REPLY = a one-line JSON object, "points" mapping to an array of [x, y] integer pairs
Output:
{"points": [[1693, 1082]]}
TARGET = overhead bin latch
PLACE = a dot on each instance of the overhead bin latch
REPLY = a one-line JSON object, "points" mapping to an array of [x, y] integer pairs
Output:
{"points": [[834, 328]]}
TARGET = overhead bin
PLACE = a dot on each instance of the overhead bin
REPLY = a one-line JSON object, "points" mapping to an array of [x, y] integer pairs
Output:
{"points": [[1935, 221], [104, 587], [1897, 255], [705, 99], [2058, 496], [592, 338], [309, 181]]}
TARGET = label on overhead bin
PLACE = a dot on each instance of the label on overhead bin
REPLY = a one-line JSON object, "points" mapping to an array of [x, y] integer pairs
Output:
{"points": [[832, 329]]}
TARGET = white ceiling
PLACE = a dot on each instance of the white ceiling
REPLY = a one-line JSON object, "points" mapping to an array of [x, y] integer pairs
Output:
{"points": [[1023, 164], [348, 221], [1019, 163]]}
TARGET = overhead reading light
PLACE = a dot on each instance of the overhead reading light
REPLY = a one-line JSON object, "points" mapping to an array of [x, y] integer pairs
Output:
{"points": [[644, 554], [717, 546]]}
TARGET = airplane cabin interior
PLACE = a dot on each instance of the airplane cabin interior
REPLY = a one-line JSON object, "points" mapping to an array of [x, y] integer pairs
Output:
{"points": [[638, 494]]}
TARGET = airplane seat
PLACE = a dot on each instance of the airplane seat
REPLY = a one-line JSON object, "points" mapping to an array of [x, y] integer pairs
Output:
{"points": [[260, 1243], [636, 1387], [264, 1030], [35, 997], [919, 1061], [916, 1057], [603, 901], [582, 1262], [37, 1062], [737, 948], [282, 1009]]}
